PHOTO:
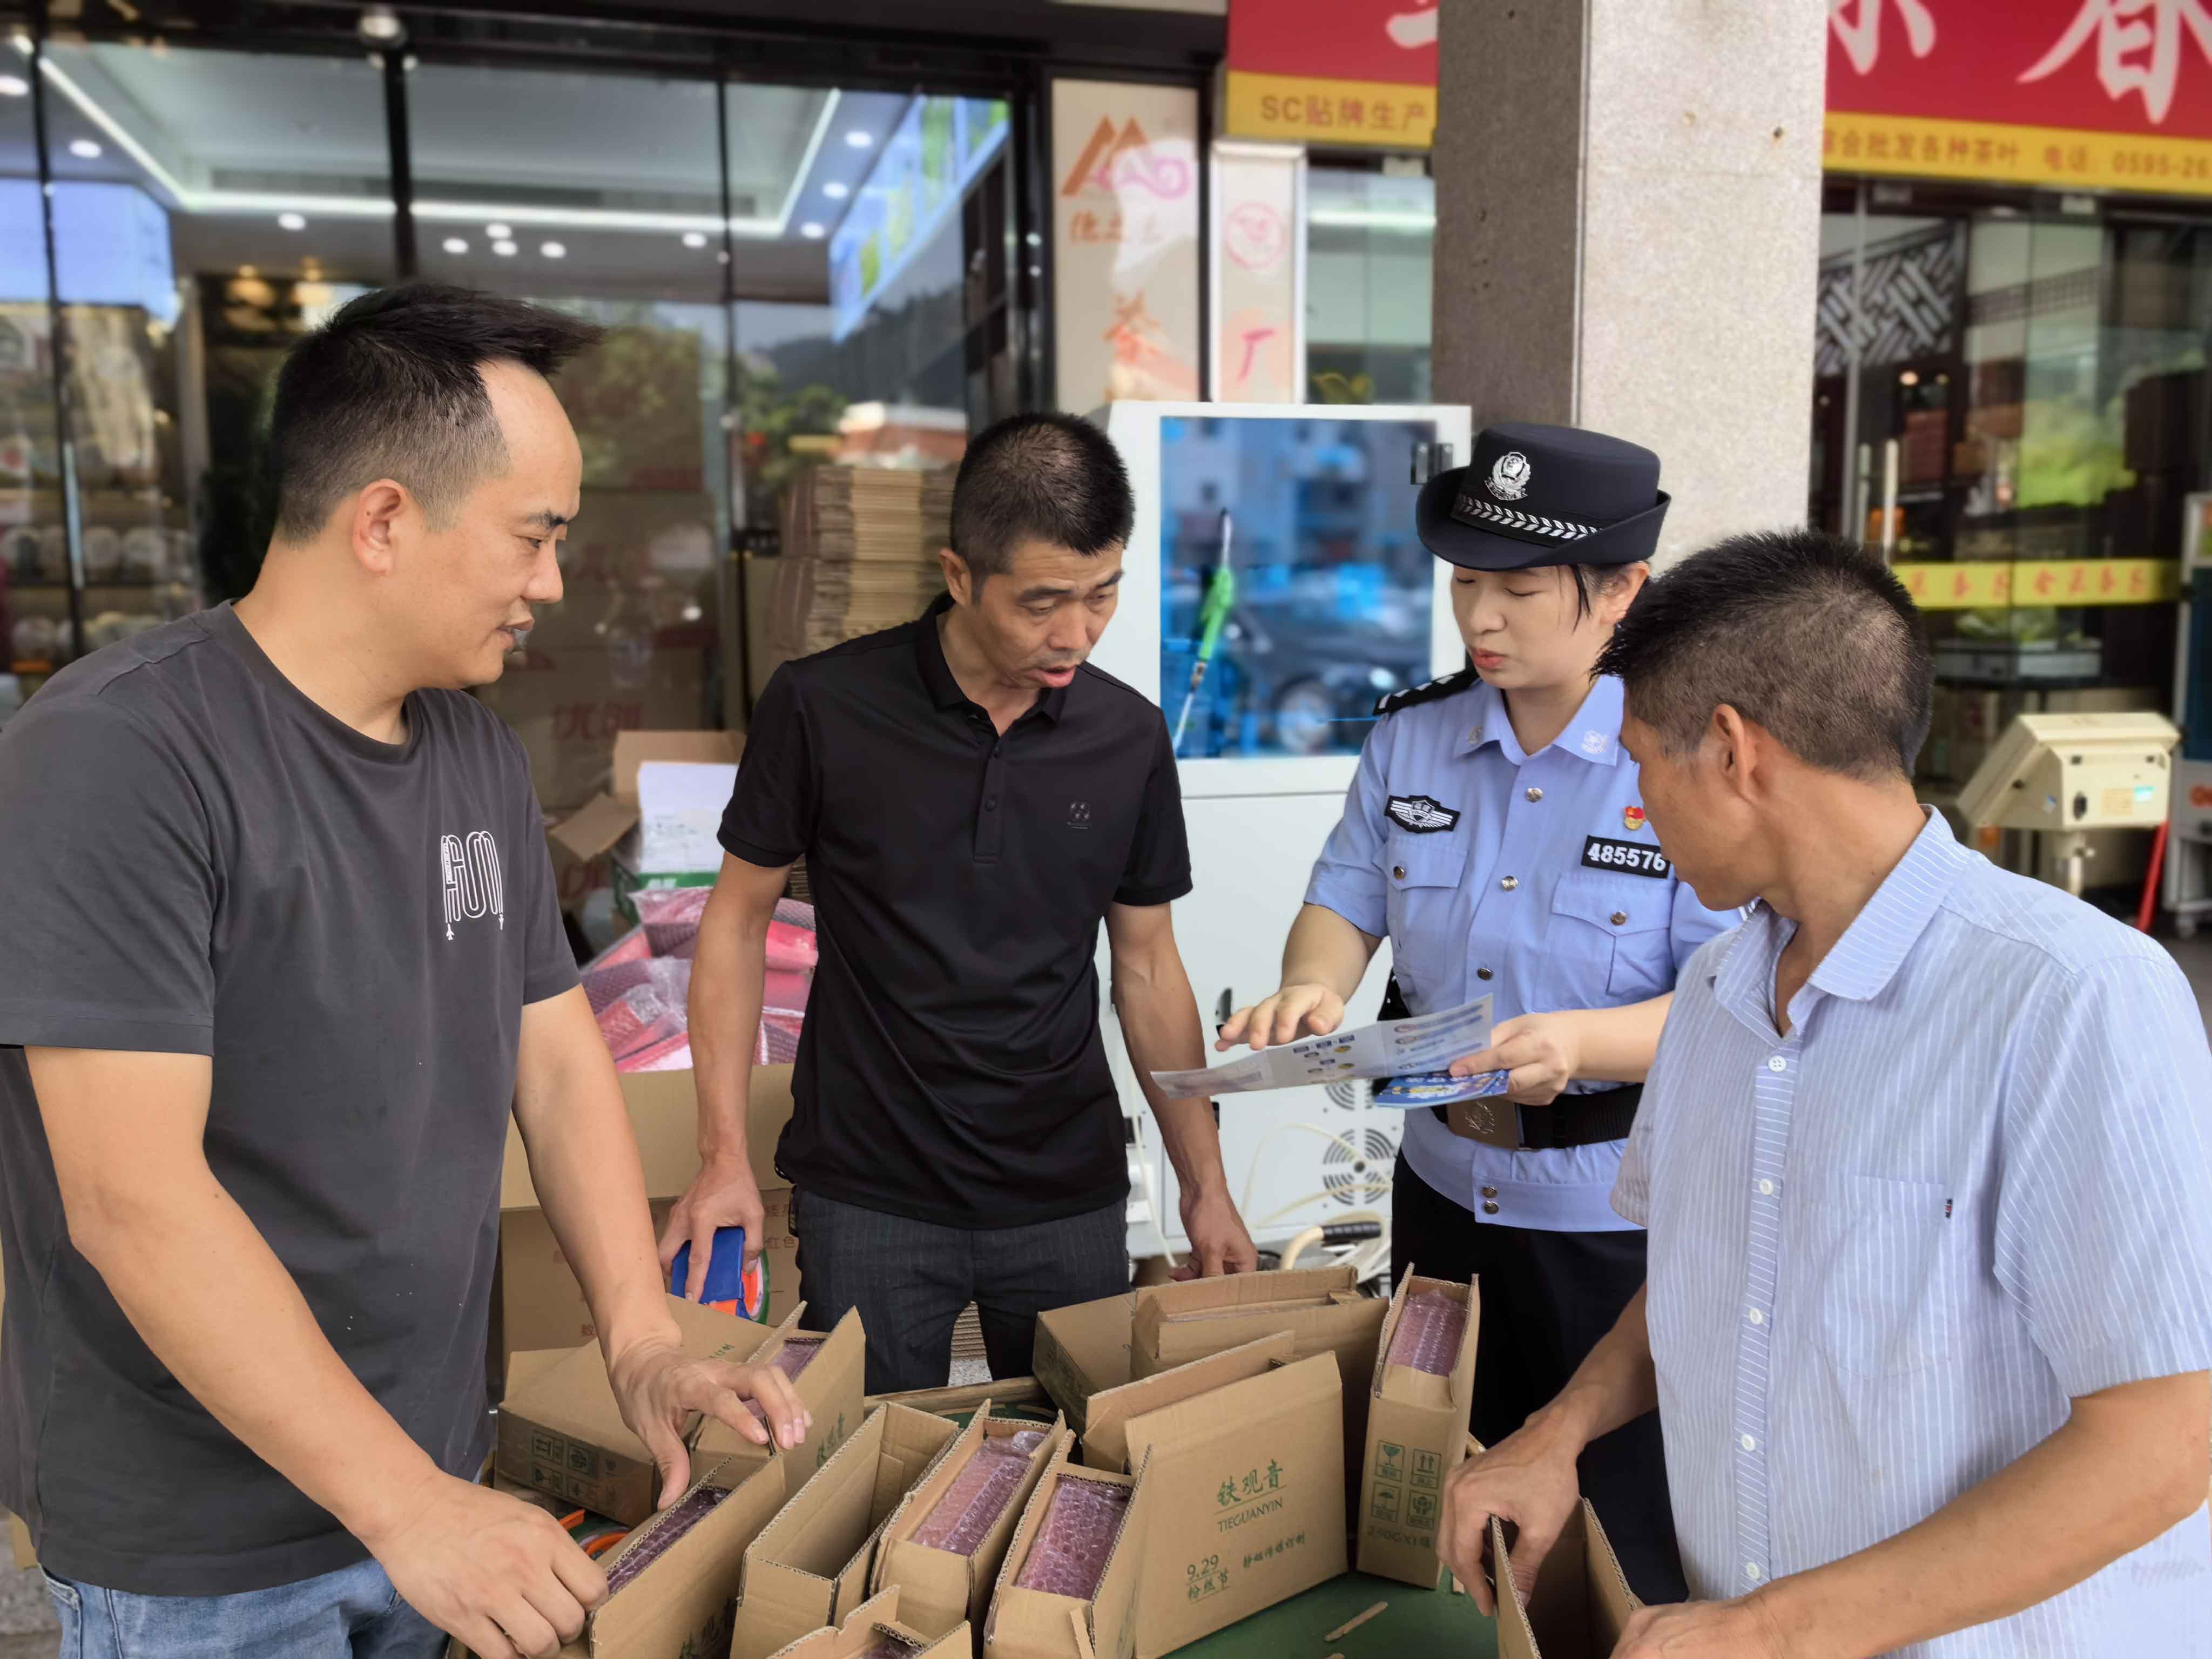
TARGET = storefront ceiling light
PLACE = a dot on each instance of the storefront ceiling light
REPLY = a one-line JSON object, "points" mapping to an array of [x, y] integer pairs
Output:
{"points": [[505, 250], [553, 250], [499, 233], [86, 150], [694, 238], [860, 140], [14, 86], [500, 217], [455, 244], [805, 168], [380, 26], [813, 232], [1361, 218], [837, 190], [292, 221]]}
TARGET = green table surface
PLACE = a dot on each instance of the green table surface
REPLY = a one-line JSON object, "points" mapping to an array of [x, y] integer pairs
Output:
{"points": [[1416, 1622]]}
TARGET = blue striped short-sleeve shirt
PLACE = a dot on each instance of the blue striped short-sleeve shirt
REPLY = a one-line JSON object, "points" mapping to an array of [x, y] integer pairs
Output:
{"points": [[1887, 1249]]}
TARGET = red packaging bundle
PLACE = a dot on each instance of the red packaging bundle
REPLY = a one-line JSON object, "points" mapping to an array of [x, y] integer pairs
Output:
{"points": [[670, 916], [1427, 1338], [794, 950], [640, 1017], [660, 1532], [795, 913], [668, 1053], [779, 1037], [670, 977], [1068, 1556], [979, 1494], [783, 988], [632, 946]]}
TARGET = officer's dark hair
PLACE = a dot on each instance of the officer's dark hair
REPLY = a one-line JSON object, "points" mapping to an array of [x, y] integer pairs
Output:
{"points": [[1049, 478], [1806, 635], [393, 387], [1592, 579]]}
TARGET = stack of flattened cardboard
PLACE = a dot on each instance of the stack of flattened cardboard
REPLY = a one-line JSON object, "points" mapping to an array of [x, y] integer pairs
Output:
{"points": [[860, 554]]}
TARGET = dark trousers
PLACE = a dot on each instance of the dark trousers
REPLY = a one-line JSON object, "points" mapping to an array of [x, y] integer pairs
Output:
{"points": [[1546, 1299], [910, 1279]]}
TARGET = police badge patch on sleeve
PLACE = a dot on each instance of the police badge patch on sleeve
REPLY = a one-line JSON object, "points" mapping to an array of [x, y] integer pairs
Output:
{"points": [[1626, 857], [1421, 815]]}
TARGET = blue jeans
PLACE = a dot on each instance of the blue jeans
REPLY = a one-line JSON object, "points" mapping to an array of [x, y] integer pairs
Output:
{"points": [[352, 1614]]}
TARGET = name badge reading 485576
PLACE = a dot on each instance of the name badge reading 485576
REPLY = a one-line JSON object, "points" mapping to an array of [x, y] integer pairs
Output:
{"points": [[1625, 857]]}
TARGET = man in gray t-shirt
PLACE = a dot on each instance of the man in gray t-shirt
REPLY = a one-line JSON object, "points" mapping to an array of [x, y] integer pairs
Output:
{"points": [[285, 956]]}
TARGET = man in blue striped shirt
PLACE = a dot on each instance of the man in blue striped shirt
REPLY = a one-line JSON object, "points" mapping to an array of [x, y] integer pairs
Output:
{"points": [[1924, 1162]]}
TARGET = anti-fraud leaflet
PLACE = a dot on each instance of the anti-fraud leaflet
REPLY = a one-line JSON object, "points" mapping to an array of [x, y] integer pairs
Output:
{"points": [[1392, 1048]]}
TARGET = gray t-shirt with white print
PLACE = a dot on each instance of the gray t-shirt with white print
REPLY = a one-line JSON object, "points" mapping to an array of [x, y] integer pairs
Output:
{"points": [[196, 858]]}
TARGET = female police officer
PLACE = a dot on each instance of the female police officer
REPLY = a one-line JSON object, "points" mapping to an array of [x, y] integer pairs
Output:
{"points": [[1495, 833]]}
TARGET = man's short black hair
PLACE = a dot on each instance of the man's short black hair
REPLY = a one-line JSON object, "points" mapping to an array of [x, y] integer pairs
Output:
{"points": [[393, 387], [1807, 634], [1049, 478]]}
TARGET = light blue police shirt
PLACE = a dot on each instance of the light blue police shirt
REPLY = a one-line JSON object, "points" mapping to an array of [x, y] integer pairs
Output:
{"points": [[1889, 1249], [1534, 877]]}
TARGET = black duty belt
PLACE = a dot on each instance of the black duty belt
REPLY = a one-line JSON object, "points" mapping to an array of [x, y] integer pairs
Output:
{"points": [[1588, 1120]]}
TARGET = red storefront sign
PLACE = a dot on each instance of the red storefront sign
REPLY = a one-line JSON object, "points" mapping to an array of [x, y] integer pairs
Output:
{"points": [[2098, 93], [1333, 71]]}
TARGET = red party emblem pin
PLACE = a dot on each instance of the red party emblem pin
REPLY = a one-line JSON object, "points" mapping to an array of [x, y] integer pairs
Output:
{"points": [[1632, 817]]}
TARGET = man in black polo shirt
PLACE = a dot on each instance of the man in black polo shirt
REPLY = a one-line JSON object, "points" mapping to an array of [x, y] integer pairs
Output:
{"points": [[971, 799]]}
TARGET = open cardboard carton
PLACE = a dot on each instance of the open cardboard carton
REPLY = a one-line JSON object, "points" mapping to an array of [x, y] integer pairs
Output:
{"points": [[1083, 1350], [679, 1602], [1581, 1603], [809, 1568], [1321, 1307], [561, 1432], [1244, 1457], [1416, 1437], [1035, 1624], [939, 1589], [598, 829], [868, 1623]]}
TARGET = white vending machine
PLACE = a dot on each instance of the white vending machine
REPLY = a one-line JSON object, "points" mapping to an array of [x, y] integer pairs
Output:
{"points": [[1275, 589]]}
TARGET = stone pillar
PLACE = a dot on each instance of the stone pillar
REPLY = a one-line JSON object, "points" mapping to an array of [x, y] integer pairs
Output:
{"points": [[1628, 229]]}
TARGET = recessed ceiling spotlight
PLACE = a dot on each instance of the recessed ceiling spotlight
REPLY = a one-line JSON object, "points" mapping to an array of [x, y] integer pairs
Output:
{"points": [[505, 250], [84, 149], [553, 250], [860, 140], [292, 220], [380, 26], [694, 238], [837, 190], [813, 232], [498, 232], [14, 86], [455, 244]]}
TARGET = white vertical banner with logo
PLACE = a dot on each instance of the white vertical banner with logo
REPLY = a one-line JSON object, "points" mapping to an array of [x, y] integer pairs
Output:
{"points": [[1258, 208], [1125, 245]]}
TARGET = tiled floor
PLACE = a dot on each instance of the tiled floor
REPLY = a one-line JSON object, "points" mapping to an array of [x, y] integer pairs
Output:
{"points": [[26, 1620]]}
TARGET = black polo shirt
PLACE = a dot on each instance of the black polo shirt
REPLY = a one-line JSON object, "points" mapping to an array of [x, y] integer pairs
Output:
{"points": [[951, 1069]]}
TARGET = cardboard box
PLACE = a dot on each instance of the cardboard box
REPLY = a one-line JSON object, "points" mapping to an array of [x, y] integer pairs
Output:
{"points": [[1248, 1498], [809, 1567], [1319, 1307], [562, 1432], [1580, 1603], [1106, 1437], [539, 1304], [605, 826], [939, 1589], [1416, 1437], [1083, 1350], [870, 1621], [1033, 1624]]}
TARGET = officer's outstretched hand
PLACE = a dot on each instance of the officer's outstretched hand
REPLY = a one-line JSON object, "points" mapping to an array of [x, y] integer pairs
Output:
{"points": [[1294, 1011]]}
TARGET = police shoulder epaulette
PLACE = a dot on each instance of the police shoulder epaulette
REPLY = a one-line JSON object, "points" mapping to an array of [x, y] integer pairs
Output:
{"points": [[1450, 686]]}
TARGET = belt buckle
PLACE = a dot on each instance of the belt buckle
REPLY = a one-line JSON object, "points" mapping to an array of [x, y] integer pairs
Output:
{"points": [[1492, 1119]]}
